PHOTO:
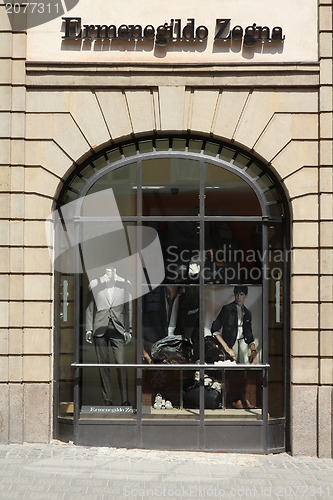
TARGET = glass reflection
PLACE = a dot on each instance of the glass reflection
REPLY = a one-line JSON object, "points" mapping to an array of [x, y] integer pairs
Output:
{"points": [[123, 182], [164, 395], [171, 312], [92, 404], [227, 194], [108, 336], [180, 248], [243, 389], [66, 347], [233, 336], [108, 253], [170, 186], [233, 252], [276, 320]]}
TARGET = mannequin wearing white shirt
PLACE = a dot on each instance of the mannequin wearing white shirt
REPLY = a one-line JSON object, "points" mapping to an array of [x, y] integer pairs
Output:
{"points": [[233, 330]]}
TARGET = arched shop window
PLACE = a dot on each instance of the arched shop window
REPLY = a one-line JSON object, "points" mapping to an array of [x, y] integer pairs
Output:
{"points": [[186, 224]]}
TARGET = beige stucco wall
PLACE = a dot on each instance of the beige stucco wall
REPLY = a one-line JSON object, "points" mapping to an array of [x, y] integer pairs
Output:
{"points": [[52, 116]]}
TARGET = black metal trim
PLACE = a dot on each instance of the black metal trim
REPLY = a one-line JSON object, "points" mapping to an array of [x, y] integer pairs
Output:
{"points": [[203, 158], [119, 144], [162, 366]]}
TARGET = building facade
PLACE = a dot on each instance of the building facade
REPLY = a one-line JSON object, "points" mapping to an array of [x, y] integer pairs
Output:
{"points": [[214, 136]]}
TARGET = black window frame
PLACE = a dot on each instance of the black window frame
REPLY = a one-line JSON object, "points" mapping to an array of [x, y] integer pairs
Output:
{"points": [[265, 219]]}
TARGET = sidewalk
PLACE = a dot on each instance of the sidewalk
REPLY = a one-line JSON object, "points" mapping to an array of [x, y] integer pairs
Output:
{"points": [[64, 471]]}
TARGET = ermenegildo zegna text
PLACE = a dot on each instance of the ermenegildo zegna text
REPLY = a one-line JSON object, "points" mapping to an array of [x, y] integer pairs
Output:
{"points": [[174, 31]]}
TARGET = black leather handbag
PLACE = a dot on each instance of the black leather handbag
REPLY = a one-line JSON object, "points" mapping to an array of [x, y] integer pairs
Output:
{"points": [[173, 349]]}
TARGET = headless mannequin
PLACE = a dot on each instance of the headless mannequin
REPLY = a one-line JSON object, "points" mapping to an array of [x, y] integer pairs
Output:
{"points": [[112, 323], [110, 274]]}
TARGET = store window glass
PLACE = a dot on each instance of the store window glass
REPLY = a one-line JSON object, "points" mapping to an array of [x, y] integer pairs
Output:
{"points": [[215, 305], [172, 309], [123, 182], [180, 248], [278, 260], [233, 252], [65, 313], [170, 186], [66, 345], [164, 395], [228, 194], [233, 329], [108, 252]]}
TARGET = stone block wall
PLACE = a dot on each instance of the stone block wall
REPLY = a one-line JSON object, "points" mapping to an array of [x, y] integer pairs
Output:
{"points": [[284, 133], [25, 279], [52, 117], [325, 336]]}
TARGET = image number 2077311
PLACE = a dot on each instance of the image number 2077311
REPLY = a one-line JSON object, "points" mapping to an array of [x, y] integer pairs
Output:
{"points": [[29, 14]]}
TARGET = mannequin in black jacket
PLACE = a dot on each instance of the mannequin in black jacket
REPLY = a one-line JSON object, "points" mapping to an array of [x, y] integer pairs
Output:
{"points": [[233, 327]]}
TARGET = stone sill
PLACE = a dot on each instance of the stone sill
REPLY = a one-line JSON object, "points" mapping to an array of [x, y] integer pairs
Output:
{"points": [[55, 74], [109, 67]]}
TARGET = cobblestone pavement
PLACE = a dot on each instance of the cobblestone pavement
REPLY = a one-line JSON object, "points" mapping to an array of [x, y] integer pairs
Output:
{"points": [[64, 471]]}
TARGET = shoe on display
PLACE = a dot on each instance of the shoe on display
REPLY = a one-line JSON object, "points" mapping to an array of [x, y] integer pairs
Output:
{"points": [[249, 405], [126, 403], [238, 405], [168, 405], [158, 399]]}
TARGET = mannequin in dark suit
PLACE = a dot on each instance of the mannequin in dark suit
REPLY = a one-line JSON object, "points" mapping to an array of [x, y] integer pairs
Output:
{"points": [[233, 327], [108, 321]]}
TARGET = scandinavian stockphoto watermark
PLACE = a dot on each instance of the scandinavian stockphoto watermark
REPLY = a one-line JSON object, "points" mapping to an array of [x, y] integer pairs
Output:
{"points": [[88, 236], [226, 264], [24, 15]]}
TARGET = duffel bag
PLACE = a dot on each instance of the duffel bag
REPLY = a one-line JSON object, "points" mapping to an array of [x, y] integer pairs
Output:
{"points": [[213, 398], [172, 349]]}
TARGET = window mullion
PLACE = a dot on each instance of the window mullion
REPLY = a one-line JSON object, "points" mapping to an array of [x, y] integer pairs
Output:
{"points": [[201, 293]]}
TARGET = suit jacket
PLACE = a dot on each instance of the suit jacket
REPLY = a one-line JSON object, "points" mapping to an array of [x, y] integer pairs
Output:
{"points": [[227, 320], [100, 310]]}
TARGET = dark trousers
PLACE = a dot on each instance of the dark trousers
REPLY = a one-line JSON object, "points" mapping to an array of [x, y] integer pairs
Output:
{"points": [[116, 341]]}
